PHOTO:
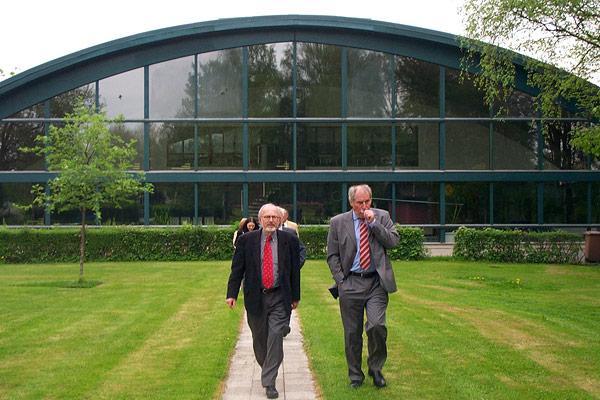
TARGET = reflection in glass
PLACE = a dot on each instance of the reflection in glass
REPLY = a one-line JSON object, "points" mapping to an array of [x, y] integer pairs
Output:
{"points": [[565, 202], [13, 138], [558, 152], [467, 203], [123, 94], [515, 203], [172, 88], [220, 147], [519, 104], [270, 147], [319, 80], [220, 203], [417, 146], [318, 202], [369, 89], [128, 214], [270, 80], [132, 131], [595, 202], [220, 83], [260, 193], [515, 145], [65, 103], [319, 147], [370, 147], [417, 88], [417, 203], [172, 204], [462, 97], [171, 146], [467, 145], [18, 194]]}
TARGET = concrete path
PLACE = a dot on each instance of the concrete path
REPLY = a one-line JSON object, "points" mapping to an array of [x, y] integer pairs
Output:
{"points": [[294, 379]]}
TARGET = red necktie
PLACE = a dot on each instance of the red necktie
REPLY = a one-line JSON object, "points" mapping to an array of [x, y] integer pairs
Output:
{"points": [[267, 273], [365, 252]]}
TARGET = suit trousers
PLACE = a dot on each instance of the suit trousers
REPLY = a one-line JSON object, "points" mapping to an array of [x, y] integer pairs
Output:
{"points": [[357, 296], [267, 336]]}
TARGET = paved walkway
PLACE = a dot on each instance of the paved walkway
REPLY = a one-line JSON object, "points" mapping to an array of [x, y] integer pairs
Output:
{"points": [[294, 380]]}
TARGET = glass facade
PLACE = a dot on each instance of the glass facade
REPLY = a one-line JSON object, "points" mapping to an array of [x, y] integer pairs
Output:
{"points": [[222, 130]]}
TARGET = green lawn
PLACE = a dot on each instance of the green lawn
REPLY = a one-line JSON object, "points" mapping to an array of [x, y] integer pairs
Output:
{"points": [[459, 330], [150, 330]]}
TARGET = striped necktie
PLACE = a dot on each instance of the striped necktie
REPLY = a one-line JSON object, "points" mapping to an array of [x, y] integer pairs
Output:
{"points": [[365, 252], [267, 273]]}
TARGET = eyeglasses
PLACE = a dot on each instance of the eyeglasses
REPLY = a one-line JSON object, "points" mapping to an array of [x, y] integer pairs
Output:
{"points": [[270, 217]]}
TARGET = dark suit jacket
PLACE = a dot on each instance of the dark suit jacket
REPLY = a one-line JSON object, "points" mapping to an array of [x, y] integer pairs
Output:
{"points": [[341, 246], [247, 266]]}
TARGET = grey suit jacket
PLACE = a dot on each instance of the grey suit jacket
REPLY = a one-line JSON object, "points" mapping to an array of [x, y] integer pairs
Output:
{"points": [[341, 246]]}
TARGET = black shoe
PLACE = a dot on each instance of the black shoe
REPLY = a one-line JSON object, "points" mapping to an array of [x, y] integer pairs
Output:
{"points": [[272, 393], [355, 384], [286, 331], [378, 379]]}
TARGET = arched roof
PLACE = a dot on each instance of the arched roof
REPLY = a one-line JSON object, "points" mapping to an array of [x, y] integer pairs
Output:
{"points": [[71, 71]]}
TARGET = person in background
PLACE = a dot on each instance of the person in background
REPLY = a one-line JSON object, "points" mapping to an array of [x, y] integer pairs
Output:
{"points": [[286, 223], [267, 261], [356, 254], [246, 225]]}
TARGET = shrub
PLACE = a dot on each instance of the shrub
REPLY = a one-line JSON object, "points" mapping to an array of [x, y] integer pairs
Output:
{"points": [[517, 246]]}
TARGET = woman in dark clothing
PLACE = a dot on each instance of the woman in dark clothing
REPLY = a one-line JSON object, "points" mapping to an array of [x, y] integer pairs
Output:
{"points": [[246, 225]]}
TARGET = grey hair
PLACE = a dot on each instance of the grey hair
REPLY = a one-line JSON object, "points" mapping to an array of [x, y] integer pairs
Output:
{"points": [[353, 189], [262, 209]]}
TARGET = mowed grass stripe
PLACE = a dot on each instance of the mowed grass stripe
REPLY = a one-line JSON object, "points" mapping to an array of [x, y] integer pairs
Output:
{"points": [[469, 330], [159, 326]]}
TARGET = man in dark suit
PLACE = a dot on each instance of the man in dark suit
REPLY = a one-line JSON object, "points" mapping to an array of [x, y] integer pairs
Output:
{"points": [[356, 254], [267, 260]]}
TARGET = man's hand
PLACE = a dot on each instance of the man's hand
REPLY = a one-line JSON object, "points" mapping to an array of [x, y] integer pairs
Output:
{"points": [[294, 304], [230, 302], [369, 216]]}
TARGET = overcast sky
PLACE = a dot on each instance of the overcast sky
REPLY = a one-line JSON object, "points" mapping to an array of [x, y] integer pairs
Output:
{"points": [[33, 32]]}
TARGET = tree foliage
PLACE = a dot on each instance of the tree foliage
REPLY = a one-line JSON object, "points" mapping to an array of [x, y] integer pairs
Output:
{"points": [[563, 39], [92, 163]]}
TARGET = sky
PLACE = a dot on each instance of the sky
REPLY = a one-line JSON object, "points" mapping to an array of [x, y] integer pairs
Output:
{"points": [[36, 31]]}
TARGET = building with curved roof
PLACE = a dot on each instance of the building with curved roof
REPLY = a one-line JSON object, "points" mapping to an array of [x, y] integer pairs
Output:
{"points": [[293, 109]]}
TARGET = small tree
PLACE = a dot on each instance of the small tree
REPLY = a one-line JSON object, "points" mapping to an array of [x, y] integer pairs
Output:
{"points": [[564, 35], [92, 163]]}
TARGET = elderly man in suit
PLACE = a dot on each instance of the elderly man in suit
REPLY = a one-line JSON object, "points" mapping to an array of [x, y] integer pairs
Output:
{"points": [[267, 260], [356, 254]]}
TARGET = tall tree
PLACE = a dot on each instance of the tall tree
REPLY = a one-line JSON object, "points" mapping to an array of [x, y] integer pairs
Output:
{"points": [[92, 163], [562, 36]]}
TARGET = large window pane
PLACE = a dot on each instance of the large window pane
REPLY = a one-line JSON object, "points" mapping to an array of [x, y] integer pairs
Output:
{"points": [[519, 104], [417, 203], [123, 94], [269, 192], [270, 147], [220, 83], [220, 147], [467, 203], [270, 80], [462, 97], [172, 204], [132, 131], [515, 145], [13, 138], [171, 146], [318, 202], [220, 203], [515, 203], [417, 88], [18, 194], [172, 90], [131, 213], [369, 87], [370, 147], [467, 145], [417, 146], [319, 80], [65, 103], [319, 147], [558, 152], [565, 203]]}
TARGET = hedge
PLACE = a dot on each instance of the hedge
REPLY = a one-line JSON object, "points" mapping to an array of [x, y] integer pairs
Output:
{"points": [[26, 245], [517, 246]]}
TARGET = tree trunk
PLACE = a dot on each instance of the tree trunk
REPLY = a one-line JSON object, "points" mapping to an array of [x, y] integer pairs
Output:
{"points": [[82, 245]]}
